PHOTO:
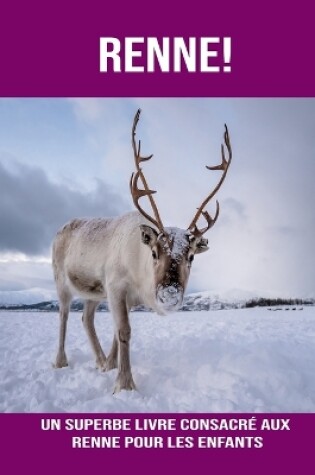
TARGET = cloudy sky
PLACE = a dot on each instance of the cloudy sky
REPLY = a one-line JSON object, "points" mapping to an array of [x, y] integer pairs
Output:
{"points": [[64, 158]]}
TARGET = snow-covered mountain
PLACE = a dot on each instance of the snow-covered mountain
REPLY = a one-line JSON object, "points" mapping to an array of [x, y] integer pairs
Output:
{"points": [[38, 295], [207, 300], [37, 300]]}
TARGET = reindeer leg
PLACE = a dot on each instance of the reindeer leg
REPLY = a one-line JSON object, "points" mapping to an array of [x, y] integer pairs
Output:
{"points": [[112, 359], [124, 378], [61, 359], [88, 322]]}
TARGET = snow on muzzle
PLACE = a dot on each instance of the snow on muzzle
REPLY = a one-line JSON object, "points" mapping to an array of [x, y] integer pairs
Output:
{"points": [[169, 298]]}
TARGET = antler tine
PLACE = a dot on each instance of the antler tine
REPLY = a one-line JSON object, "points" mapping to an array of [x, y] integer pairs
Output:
{"points": [[210, 221], [136, 192], [224, 166], [136, 150]]}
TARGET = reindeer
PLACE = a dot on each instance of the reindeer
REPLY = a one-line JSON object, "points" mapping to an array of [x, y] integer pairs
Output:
{"points": [[128, 260]]}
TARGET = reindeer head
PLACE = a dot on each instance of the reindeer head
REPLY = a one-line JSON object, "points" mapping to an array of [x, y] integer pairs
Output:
{"points": [[173, 249]]}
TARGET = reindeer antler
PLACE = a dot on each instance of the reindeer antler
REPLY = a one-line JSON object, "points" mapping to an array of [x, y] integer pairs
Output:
{"points": [[224, 166], [136, 192]]}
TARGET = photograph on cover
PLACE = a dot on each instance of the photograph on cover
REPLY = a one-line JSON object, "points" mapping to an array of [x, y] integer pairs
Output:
{"points": [[177, 329]]}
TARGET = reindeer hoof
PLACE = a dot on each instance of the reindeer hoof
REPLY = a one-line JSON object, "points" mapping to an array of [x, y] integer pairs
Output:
{"points": [[101, 364], [124, 383], [61, 361], [111, 364]]}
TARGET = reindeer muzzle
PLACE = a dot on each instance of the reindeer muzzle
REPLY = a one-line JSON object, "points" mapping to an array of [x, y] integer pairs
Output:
{"points": [[170, 298]]}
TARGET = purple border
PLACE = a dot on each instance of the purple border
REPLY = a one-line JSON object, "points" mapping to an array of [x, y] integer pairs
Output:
{"points": [[26, 447], [52, 49]]}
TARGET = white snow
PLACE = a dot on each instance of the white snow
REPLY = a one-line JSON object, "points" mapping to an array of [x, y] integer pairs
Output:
{"points": [[179, 242], [249, 360]]}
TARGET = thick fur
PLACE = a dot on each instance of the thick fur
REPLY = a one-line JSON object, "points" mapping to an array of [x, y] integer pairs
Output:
{"points": [[115, 259]]}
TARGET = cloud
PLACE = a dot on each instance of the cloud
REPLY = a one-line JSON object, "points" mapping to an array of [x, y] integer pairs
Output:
{"points": [[27, 274], [264, 236], [32, 207]]}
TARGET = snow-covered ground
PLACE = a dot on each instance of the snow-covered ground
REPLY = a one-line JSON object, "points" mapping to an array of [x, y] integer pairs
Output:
{"points": [[251, 360]]}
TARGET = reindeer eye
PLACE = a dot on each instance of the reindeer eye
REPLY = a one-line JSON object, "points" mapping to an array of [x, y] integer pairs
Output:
{"points": [[145, 238], [191, 258], [154, 255]]}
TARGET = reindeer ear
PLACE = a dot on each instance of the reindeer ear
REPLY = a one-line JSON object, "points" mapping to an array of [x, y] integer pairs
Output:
{"points": [[148, 235], [202, 246]]}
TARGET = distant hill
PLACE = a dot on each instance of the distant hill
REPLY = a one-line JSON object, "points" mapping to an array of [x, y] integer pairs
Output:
{"points": [[192, 302]]}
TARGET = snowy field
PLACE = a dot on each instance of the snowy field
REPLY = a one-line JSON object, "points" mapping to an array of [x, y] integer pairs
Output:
{"points": [[251, 360]]}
